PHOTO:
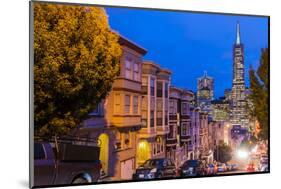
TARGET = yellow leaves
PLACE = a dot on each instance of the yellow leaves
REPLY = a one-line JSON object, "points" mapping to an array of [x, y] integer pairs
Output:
{"points": [[76, 60]]}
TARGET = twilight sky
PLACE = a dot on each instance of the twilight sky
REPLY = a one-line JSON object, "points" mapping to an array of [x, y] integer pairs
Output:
{"points": [[190, 43]]}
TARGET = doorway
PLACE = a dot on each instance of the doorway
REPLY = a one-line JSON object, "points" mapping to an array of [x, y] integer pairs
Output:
{"points": [[104, 152]]}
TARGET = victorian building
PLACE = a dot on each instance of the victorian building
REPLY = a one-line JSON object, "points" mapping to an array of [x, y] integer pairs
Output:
{"points": [[179, 143], [195, 125], [154, 112], [117, 119], [173, 148]]}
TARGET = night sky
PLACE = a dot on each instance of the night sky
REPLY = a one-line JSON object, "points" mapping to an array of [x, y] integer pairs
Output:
{"points": [[190, 43]]}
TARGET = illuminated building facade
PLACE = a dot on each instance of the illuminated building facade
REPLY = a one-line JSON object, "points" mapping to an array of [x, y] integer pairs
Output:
{"points": [[117, 119], [154, 112], [205, 90], [179, 142], [220, 110], [238, 99]]}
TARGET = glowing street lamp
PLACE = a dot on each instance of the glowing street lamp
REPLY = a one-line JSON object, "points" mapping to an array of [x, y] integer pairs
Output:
{"points": [[242, 154]]}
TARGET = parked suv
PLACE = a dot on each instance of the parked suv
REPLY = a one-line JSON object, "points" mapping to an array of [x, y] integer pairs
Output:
{"points": [[65, 163], [192, 168], [156, 168]]}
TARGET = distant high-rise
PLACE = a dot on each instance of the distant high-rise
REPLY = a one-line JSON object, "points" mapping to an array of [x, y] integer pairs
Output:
{"points": [[205, 90], [238, 101]]}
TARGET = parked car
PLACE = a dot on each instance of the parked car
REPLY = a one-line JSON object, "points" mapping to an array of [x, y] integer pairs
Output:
{"points": [[264, 168], [250, 167], [221, 167], [234, 167], [57, 164], [211, 169], [192, 168], [228, 167], [156, 168]]}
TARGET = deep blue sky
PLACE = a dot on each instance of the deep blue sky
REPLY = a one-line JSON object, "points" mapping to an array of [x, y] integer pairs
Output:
{"points": [[188, 43]]}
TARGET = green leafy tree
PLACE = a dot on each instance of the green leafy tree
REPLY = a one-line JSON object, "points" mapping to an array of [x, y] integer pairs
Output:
{"points": [[259, 93], [76, 59], [223, 153]]}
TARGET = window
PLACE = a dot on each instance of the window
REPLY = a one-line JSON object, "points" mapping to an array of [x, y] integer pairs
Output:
{"points": [[158, 147], [118, 144], [136, 72], [126, 140], [159, 89], [117, 104], [144, 84], [171, 103], [154, 149], [151, 118], [183, 129], [127, 104], [159, 118], [166, 117], [152, 87], [128, 71], [39, 152], [184, 109], [190, 132], [172, 133], [166, 90], [136, 105], [144, 118]]}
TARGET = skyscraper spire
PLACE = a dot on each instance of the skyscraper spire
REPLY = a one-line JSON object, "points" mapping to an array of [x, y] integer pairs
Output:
{"points": [[238, 40], [205, 73]]}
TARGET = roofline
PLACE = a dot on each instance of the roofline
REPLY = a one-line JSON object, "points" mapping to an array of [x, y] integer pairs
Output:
{"points": [[150, 62], [165, 70], [158, 66], [175, 88], [125, 41]]}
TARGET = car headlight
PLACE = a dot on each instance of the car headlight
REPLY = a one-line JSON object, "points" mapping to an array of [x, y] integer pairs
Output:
{"points": [[154, 170]]}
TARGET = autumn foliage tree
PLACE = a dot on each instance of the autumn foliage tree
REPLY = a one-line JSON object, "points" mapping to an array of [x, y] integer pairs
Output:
{"points": [[259, 85], [76, 59]]}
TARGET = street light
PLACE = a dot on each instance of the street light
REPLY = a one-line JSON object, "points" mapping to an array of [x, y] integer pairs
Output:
{"points": [[242, 154]]}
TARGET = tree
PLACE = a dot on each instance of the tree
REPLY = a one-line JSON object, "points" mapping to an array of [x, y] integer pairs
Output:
{"points": [[224, 153], [76, 59], [259, 87]]}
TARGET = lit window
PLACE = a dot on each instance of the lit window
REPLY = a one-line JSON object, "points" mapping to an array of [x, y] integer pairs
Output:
{"points": [[144, 84], [128, 72], [136, 105], [136, 72], [127, 104], [159, 118], [144, 118], [117, 104]]}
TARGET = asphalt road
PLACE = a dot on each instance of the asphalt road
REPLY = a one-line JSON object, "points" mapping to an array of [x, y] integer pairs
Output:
{"points": [[232, 172]]}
